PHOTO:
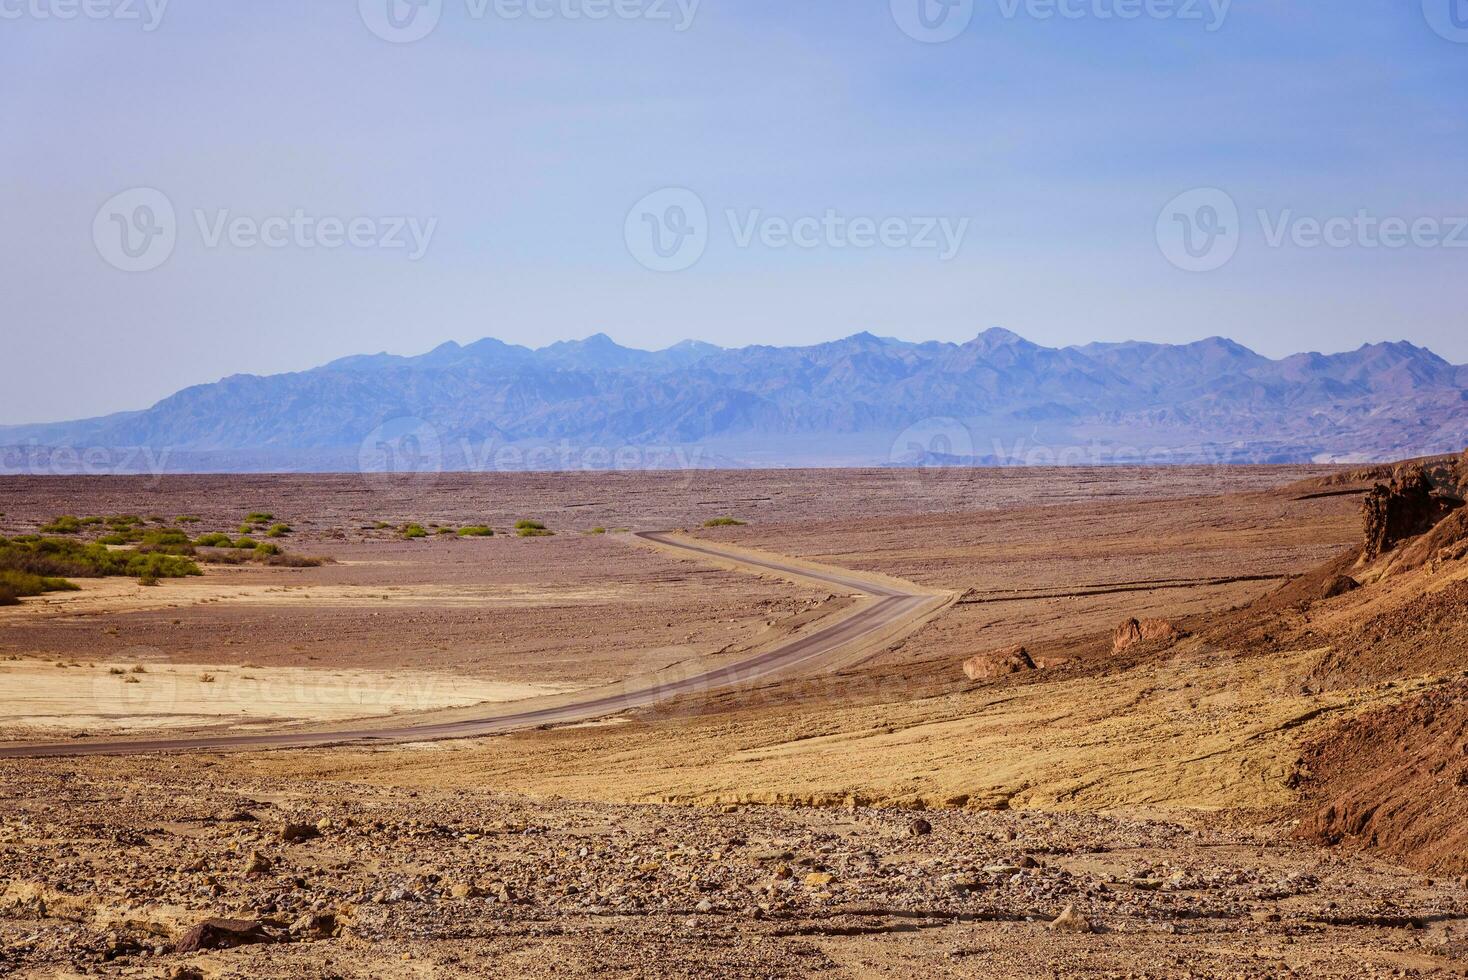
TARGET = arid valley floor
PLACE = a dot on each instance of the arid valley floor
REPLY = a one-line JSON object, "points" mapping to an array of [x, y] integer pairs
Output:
{"points": [[1266, 774]]}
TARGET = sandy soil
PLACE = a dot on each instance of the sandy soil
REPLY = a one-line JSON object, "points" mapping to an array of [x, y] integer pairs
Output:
{"points": [[46, 699]]}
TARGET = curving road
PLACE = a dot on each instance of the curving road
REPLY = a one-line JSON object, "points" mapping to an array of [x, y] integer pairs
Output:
{"points": [[888, 607]]}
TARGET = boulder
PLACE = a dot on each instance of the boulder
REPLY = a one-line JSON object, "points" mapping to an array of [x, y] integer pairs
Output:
{"points": [[222, 934], [998, 663], [1069, 920], [294, 833], [1135, 631]]}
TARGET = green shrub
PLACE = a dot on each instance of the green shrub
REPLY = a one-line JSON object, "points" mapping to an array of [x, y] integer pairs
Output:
{"points": [[120, 537], [259, 517], [532, 529], [123, 522], [66, 524], [278, 531], [414, 531], [597, 530], [186, 519], [65, 557], [476, 531], [169, 542], [245, 541], [723, 522], [214, 540], [266, 550], [19, 583]]}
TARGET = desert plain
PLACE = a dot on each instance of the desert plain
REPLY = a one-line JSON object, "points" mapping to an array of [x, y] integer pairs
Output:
{"points": [[1160, 722]]}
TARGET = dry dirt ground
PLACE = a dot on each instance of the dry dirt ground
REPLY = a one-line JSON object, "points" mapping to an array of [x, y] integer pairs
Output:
{"points": [[777, 830]]}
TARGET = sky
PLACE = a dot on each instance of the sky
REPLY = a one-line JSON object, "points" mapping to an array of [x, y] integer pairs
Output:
{"points": [[197, 189]]}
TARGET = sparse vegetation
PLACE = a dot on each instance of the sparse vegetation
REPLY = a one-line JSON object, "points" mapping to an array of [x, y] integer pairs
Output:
{"points": [[67, 558], [278, 531], [723, 522], [187, 519], [597, 530], [65, 524], [532, 529], [414, 531], [259, 517], [476, 531], [15, 585]]}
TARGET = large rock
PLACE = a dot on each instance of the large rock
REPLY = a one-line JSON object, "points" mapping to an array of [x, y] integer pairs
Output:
{"points": [[222, 934], [1135, 631], [1413, 503], [998, 663]]}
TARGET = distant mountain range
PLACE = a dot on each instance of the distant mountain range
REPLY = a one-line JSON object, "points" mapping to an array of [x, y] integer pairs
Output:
{"points": [[996, 400]]}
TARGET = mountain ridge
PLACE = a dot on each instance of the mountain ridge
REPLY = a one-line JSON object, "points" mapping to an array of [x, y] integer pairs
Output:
{"points": [[857, 394]]}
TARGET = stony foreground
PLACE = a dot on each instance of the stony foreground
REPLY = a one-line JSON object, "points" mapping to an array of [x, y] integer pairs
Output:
{"points": [[115, 876]]}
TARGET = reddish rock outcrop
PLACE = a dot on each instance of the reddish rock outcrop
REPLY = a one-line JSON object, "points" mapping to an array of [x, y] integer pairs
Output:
{"points": [[998, 663], [1415, 500], [1135, 631]]}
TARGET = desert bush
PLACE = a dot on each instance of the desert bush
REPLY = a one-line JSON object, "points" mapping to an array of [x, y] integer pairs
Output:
{"points": [[65, 557], [476, 531], [266, 550], [723, 522], [214, 540], [65, 524], [259, 517], [414, 531], [19, 583], [278, 531], [532, 529], [187, 519], [597, 530]]}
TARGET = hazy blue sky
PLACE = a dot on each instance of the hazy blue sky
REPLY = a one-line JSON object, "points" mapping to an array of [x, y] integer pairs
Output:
{"points": [[529, 140]]}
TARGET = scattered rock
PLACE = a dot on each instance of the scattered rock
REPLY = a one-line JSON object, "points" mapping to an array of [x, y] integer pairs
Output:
{"points": [[257, 864], [315, 925], [818, 879], [294, 833], [919, 828], [998, 663], [222, 934], [1070, 920]]}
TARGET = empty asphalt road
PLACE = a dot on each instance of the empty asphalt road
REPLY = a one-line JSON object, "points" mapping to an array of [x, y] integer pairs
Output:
{"points": [[888, 606]]}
